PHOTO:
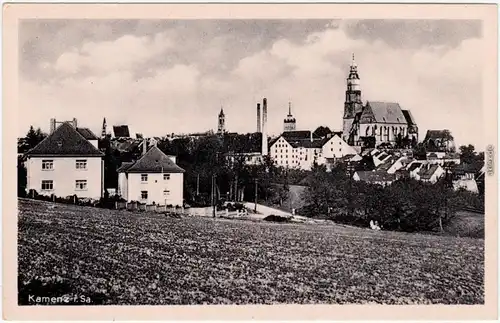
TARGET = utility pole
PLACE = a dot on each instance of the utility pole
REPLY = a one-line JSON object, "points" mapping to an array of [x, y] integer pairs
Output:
{"points": [[255, 209], [214, 201], [197, 184], [349, 168]]}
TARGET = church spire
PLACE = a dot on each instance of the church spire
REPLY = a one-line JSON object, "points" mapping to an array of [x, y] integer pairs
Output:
{"points": [[289, 109]]}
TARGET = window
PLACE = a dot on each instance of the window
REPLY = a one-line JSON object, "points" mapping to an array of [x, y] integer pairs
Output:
{"points": [[144, 195], [166, 177], [144, 178], [166, 193], [47, 185], [81, 164], [81, 185], [47, 164]]}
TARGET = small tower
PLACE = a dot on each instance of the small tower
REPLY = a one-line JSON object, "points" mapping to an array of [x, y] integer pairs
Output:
{"points": [[353, 103], [103, 133], [289, 124], [222, 122]]}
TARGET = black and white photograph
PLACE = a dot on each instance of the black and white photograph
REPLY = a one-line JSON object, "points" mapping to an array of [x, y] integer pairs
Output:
{"points": [[252, 161]]}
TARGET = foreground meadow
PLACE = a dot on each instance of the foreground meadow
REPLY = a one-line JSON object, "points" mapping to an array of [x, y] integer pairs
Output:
{"points": [[118, 257]]}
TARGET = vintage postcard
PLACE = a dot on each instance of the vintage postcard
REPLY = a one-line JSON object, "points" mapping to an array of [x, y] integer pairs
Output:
{"points": [[250, 161]]}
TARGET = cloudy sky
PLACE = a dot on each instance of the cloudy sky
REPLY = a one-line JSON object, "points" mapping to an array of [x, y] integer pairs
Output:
{"points": [[173, 76]]}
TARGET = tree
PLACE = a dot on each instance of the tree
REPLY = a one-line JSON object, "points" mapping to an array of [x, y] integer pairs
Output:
{"points": [[34, 137], [467, 154]]}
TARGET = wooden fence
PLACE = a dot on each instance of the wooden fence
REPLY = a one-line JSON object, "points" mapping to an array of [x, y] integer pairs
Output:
{"points": [[206, 211]]}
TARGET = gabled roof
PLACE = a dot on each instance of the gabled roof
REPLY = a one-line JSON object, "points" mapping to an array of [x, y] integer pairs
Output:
{"points": [[409, 117], [87, 133], [121, 131], [154, 161], [386, 112], [65, 141]]}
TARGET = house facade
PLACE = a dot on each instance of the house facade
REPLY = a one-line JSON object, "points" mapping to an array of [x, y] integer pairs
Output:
{"points": [[153, 178], [66, 163]]}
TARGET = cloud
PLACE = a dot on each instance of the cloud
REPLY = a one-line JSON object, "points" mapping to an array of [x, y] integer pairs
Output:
{"points": [[166, 82], [123, 53]]}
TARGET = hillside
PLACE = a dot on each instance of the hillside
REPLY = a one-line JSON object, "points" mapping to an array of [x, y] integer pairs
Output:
{"points": [[118, 257]]}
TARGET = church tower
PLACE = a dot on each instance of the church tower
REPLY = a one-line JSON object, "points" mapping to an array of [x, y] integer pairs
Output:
{"points": [[289, 124], [222, 122], [353, 103], [104, 131]]}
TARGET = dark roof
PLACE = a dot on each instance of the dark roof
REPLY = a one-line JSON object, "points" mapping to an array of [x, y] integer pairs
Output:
{"points": [[65, 141], [297, 134], [414, 166], [154, 161], [387, 164], [387, 112], [124, 167], [376, 176], [435, 134], [121, 131], [409, 117], [87, 134]]}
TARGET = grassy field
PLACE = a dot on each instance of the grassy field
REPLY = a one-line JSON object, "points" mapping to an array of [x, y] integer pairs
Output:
{"points": [[118, 257]]}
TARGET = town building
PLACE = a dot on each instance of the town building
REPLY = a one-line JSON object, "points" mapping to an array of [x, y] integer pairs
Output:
{"points": [[66, 163], [249, 158], [376, 122], [301, 149], [377, 177], [153, 178], [290, 123]]}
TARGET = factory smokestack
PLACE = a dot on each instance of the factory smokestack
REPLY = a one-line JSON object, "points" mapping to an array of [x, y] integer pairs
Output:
{"points": [[258, 118], [264, 127]]}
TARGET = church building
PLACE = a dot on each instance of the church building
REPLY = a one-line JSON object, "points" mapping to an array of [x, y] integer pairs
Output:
{"points": [[289, 124], [376, 122]]}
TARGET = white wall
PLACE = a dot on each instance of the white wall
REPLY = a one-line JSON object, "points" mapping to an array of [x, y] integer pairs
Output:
{"points": [[155, 187], [64, 175], [95, 143], [123, 185], [336, 148]]}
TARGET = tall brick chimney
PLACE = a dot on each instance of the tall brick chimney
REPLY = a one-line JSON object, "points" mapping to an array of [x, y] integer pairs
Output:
{"points": [[259, 124], [264, 127], [52, 125], [75, 123]]}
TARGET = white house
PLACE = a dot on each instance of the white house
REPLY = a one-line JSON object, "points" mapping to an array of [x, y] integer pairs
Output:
{"points": [[153, 178], [66, 163]]}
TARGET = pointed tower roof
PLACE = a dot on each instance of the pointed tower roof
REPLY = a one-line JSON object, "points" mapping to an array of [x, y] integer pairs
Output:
{"points": [[221, 113], [353, 73], [66, 141]]}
